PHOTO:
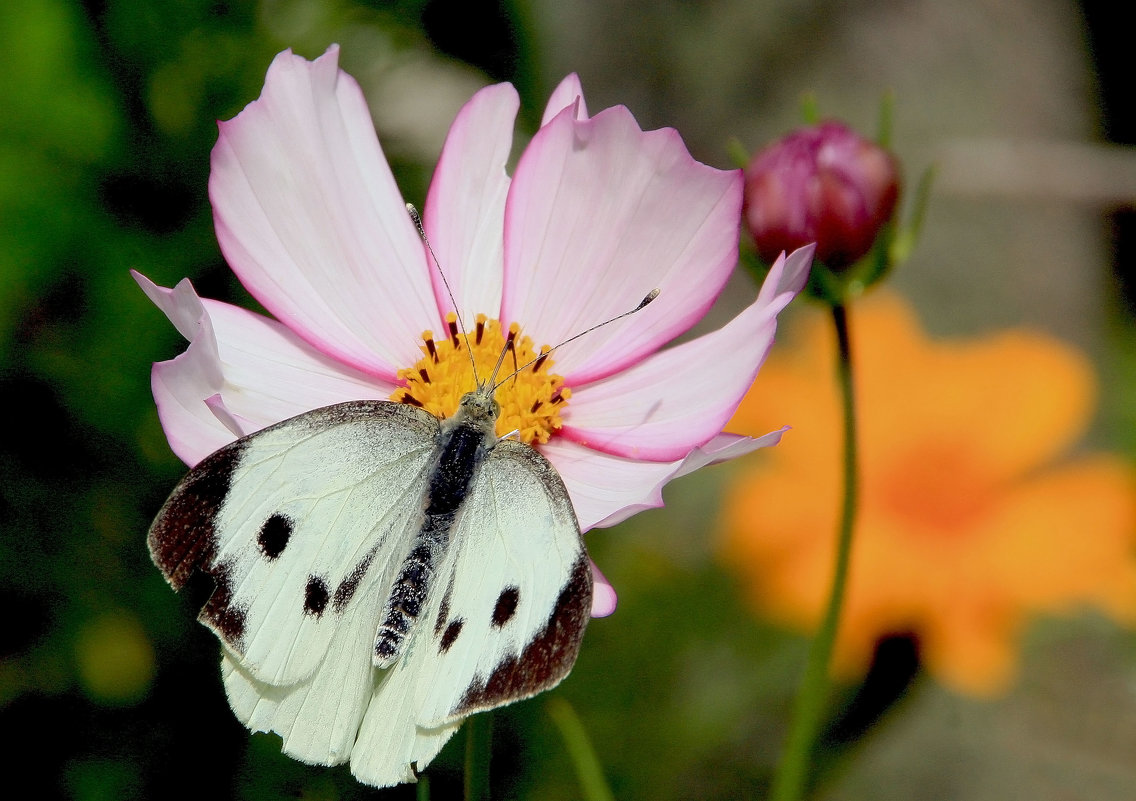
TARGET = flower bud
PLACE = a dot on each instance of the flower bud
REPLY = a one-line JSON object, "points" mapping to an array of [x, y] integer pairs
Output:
{"points": [[824, 184]]}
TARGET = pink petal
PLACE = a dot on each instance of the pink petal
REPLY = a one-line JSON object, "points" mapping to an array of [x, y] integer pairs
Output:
{"points": [[788, 275], [567, 93], [241, 372], [607, 489], [309, 218], [679, 398], [238, 425], [465, 209], [603, 594], [725, 447], [179, 385], [599, 214]]}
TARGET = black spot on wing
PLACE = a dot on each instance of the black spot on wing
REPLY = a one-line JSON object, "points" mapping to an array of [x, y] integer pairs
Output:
{"points": [[219, 612], [183, 535], [451, 634], [444, 609], [316, 596], [345, 591], [549, 655], [274, 535], [506, 606]]}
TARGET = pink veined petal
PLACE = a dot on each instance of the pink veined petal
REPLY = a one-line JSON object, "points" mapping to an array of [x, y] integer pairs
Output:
{"points": [[568, 92], [309, 218], [192, 428], [604, 598], [606, 490], [465, 208], [599, 214], [240, 370], [271, 374], [679, 398]]}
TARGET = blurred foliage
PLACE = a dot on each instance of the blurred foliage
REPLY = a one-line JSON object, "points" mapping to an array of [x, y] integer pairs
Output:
{"points": [[108, 686]]}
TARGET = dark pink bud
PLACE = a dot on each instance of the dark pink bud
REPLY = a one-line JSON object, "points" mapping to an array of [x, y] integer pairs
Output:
{"points": [[823, 184]]}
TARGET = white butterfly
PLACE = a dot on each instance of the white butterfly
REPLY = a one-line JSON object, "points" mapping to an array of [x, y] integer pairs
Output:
{"points": [[379, 577]]}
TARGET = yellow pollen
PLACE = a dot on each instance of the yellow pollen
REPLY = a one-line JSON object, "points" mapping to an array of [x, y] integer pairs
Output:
{"points": [[530, 401]]}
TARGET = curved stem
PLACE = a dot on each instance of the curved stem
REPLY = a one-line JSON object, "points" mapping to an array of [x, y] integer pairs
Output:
{"points": [[789, 782], [593, 785], [478, 749]]}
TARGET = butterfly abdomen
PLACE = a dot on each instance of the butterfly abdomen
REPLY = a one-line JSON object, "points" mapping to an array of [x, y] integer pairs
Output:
{"points": [[465, 441]]}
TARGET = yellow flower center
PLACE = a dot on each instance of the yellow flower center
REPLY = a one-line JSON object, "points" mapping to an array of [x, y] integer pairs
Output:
{"points": [[530, 399]]}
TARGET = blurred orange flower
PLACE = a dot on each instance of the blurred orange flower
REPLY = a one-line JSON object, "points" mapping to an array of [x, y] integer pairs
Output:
{"points": [[966, 525]]}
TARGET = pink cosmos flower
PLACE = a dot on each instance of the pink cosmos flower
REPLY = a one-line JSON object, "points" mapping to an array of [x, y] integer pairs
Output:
{"points": [[597, 213]]}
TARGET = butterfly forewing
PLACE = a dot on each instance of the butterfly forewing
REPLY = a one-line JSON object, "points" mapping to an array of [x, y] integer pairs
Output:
{"points": [[504, 620], [309, 510], [515, 624]]}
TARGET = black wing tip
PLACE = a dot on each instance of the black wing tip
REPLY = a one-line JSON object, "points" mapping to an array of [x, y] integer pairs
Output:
{"points": [[182, 536], [220, 614]]}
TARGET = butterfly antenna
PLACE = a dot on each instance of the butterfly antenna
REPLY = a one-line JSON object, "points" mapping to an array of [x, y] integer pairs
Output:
{"points": [[654, 293], [500, 360], [457, 312]]}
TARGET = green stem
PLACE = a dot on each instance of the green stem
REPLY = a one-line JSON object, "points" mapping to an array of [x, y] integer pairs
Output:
{"points": [[478, 749], [593, 785], [789, 783]]}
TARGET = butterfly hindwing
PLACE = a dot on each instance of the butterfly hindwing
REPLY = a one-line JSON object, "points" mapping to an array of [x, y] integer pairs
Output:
{"points": [[318, 717]]}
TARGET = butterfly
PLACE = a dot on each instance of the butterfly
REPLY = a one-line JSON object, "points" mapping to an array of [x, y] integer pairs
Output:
{"points": [[380, 575]]}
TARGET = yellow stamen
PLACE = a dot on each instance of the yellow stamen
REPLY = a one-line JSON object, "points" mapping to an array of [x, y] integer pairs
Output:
{"points": [[530, 401]]}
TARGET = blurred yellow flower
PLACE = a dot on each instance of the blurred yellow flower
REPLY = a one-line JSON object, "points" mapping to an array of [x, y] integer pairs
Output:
{"points": [[966, 523], [115, 659]]}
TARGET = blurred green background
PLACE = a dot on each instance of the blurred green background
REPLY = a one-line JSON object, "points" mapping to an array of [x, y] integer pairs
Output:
{"points": [[109, 689]]}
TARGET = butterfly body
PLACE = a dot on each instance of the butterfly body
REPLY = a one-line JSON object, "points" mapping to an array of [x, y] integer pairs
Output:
{"points": [[380, 576], [464, 442]]}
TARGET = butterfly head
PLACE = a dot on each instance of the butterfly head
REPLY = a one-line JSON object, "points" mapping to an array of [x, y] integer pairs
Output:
{"points": [[480, 406]]}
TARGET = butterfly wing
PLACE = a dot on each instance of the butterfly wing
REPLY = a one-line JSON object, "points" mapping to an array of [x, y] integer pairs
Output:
{"points": [[301, 525], [503, 622], [304, 526]]}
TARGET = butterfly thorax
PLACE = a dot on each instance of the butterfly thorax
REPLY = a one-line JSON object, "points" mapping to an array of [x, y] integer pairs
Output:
{"points": [[465, 441]]}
